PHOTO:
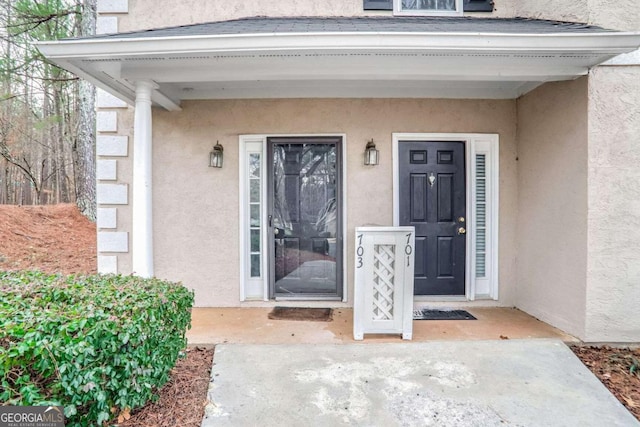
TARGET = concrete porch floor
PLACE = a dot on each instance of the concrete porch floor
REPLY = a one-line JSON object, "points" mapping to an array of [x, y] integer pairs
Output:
{"points": [[211, 326]]}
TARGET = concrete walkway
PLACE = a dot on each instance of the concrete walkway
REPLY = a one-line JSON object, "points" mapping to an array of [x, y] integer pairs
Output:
{"points": [[536, 382]]}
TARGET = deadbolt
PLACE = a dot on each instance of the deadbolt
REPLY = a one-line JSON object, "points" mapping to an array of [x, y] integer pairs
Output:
{"points": [[461, 219], [462, 230]]}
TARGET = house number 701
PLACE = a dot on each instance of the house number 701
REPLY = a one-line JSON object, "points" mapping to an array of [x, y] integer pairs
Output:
{"points": [[408, 250]]}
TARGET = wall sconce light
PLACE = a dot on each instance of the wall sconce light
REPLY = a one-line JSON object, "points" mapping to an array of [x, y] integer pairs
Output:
{"points": [[371, 155], [215, 156]]}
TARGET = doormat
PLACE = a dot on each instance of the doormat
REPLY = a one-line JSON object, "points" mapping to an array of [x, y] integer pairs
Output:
{"points": [[427, 314], [302, 313]]}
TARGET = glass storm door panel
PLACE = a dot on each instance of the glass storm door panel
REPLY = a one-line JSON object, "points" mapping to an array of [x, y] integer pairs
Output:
{"points": [[305, 217], [433, 200]]}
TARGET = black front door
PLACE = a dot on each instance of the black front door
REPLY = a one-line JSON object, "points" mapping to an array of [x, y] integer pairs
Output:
{"points": [[305, 217], [433, 200]]}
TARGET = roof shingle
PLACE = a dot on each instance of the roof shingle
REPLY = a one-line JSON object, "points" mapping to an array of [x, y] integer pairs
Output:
{"points": [[267, 25]]}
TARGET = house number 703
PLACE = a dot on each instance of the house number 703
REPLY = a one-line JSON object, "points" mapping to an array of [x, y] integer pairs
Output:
{"points": [[359, 252]]}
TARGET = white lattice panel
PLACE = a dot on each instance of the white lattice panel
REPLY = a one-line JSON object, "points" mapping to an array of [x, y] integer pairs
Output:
{"points": [[383, 281]]}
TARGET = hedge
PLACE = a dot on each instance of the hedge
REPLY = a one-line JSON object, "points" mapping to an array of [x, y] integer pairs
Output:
{"points": [[97, 345]]}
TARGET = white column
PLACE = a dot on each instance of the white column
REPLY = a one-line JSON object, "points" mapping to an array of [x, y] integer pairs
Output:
{"points": [[142, 227]]}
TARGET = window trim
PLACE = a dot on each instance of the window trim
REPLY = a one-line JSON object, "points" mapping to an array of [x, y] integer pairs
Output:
{"points": [[488, 144], [252, 288], [397, 10]]}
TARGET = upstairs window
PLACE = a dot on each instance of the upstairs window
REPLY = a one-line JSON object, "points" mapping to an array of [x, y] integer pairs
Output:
{"points": [[428, 7]]}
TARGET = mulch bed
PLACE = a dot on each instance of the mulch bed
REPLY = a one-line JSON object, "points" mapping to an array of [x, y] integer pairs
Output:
{"points": [[613, 367], [53, 239], [183, 399]]}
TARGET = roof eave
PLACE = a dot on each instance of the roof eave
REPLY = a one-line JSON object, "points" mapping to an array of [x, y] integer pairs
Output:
{"points": [[612, 43], [75, 55]]}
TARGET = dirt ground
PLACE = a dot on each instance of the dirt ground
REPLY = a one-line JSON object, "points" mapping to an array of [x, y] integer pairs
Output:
{"points": [[59, 239]]}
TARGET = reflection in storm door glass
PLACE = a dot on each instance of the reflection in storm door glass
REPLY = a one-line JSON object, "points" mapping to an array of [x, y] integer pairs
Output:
{"points": [[304, 213]]}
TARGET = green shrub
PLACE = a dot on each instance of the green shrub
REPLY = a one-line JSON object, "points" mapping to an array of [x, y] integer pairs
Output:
{"points": [[96, 345]]}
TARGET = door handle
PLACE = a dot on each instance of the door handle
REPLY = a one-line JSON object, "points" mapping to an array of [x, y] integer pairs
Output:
{"points": [[462, 230]]}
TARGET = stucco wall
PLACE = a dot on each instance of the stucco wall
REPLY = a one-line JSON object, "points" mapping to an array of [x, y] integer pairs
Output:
{"points": [[612, 273], [196, 208], [623, 15], [613, 290], [145, 14], [552, 208], [560, 10]]}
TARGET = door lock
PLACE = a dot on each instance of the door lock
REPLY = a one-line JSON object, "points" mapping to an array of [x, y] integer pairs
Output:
{"points": [[461, 220], [462, 230]]}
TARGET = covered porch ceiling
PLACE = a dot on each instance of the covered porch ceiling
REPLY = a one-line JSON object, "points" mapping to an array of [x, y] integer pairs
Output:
{"points": [[375, 57]]}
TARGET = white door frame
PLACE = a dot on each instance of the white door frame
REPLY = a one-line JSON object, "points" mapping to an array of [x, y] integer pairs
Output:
{"points": [[244, 140], [484, 144]]}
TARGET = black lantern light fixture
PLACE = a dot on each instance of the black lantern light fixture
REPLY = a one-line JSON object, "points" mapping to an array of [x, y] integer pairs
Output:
{"points": [[215, 156], [371, 155]]}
